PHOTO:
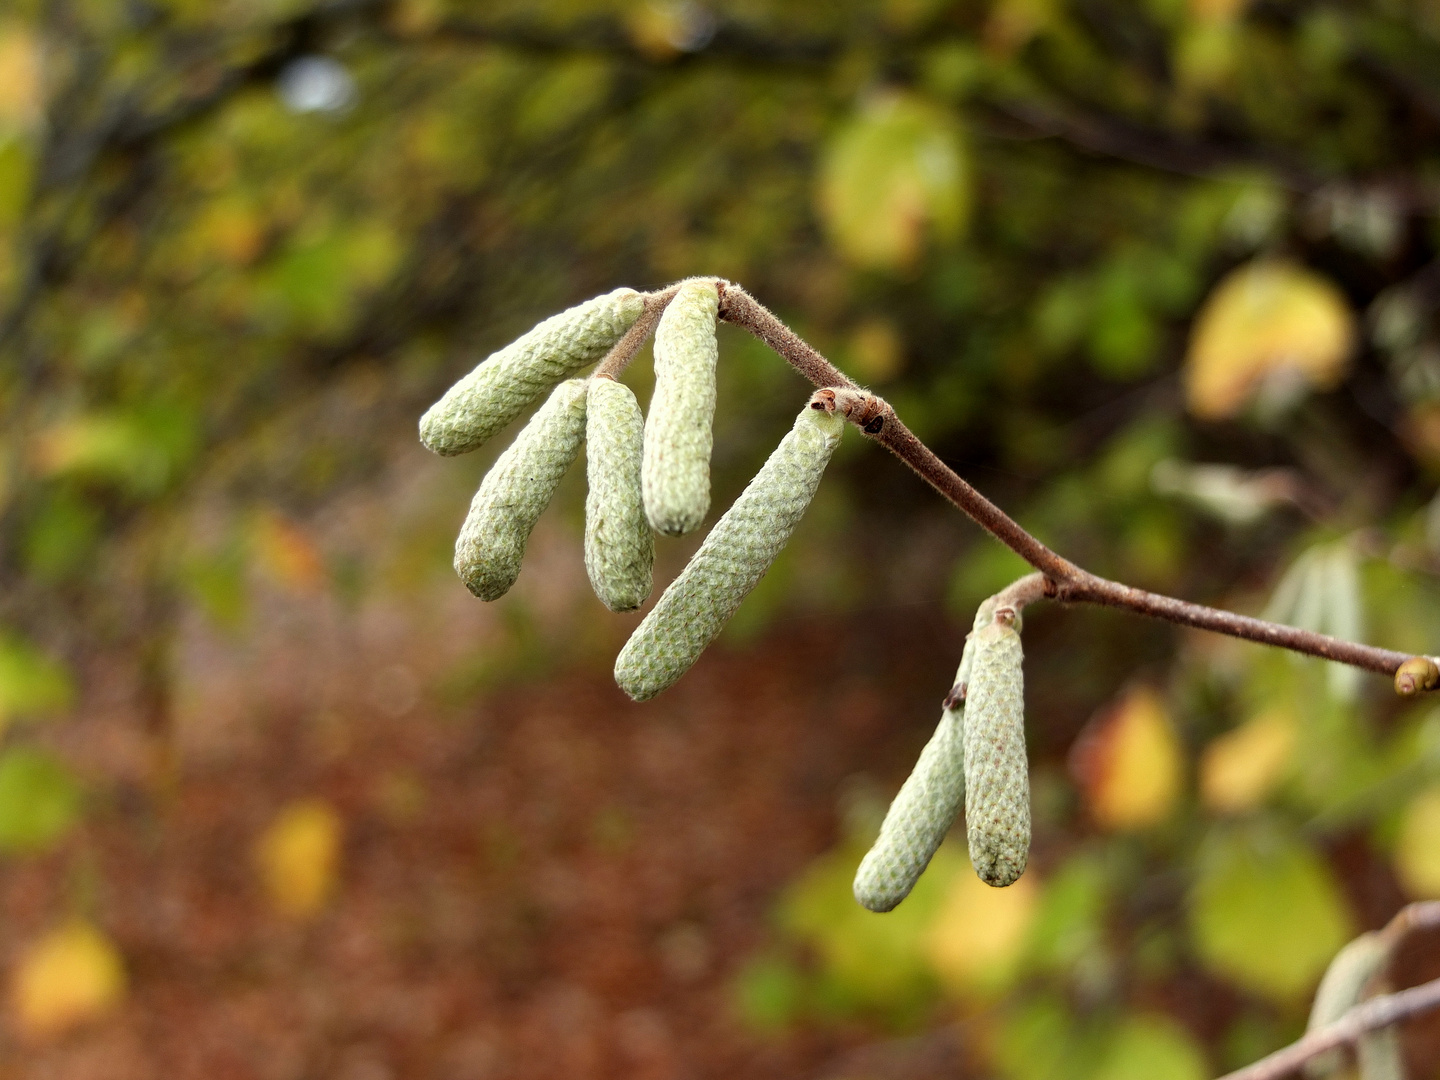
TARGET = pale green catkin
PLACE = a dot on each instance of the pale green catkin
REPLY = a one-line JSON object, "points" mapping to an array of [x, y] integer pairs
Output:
{"points": [[733, 558], [678, 435], [497, 391], [619, 546], [516, 491], [1340, 990], [997, 779], [925, 807]]}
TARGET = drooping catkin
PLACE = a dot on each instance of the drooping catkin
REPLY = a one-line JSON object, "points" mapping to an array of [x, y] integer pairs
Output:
{"points": [[516, 491], [926, 805], [500, 388], [997, 779], [732, 559], [619, 546], [678, 431], [1340, 990]]}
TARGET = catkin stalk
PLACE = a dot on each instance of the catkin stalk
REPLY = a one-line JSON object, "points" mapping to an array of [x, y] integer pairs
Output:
{"points": [[678, 432], [732, 559], [500, 388], [925, 807], [997, 780], [619, 546], [516, 491]]}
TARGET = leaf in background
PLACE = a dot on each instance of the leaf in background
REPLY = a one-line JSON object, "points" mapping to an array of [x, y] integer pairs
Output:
{"points": [[1068, 933], [1417, 848], [1241, 767], [298, 856], [892, 172], [1321, 592], [72, 975], [1266, 912], [31, 683], [1269, 325], [140, 451], [21, 92], [1129, 764], [1151, 1047], [286, 553], [875, 962], [40, 800], [978, 937]]}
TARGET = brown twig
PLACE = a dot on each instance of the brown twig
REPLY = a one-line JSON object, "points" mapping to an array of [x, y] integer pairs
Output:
{"points": [[1063, 580], [1378, 1012], [624, 350]]}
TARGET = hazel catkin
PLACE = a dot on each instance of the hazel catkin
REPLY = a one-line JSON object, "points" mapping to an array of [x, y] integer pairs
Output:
{"points": [[926, 805], [619, 546], [516, 491], [731, 560], [997, 780], [678, 431], [500, 388]]}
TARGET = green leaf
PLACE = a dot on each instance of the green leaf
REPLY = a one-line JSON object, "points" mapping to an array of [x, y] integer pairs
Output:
{"points": [[1151, 1047], [40, 800], [1266, 913], [31, 683], [892, 172]]}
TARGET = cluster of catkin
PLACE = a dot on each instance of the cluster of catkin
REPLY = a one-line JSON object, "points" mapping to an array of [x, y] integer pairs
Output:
{"points": [[650, 474], [646, 474]]}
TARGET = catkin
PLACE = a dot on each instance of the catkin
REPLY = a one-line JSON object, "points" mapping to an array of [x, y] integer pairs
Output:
{"points": [[997, 781], [926, 805], [1340, 990], [678, 435], [516, 491], [500, 388], [733, 558], [619, 546]]}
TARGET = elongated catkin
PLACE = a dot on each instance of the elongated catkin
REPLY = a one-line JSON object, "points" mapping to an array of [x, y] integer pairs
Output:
{"points": [[732, 559], [678, 431], [516, 491], [997, 779], [500, 388], [619, 546], [926, 806], [1340, 990]]}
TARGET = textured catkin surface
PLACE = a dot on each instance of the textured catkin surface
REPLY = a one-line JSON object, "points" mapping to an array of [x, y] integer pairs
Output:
{"points": [[497, 391], [516, 491], [736, 554], [678, 432], [926, 806], [997, 780], [619, 546]]}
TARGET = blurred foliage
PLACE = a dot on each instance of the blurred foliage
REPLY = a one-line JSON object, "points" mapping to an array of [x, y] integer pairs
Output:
{"points": [[1161, 278], [71, 975]]}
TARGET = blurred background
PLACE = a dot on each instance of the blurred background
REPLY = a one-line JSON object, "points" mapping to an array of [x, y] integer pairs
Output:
{"points": [[280, 799]]}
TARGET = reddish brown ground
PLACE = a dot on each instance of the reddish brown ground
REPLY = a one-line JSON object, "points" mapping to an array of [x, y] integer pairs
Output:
{"points": [[554, 882]]}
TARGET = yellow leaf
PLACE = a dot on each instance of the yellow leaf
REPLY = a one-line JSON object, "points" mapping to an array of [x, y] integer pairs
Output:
{"points": [[978, 937], [298, 856], [1241, 767], [1128, 762], [20, 96], [894, 171], [287, 554], [1269, 323], [71, 975], [1417, 851]]}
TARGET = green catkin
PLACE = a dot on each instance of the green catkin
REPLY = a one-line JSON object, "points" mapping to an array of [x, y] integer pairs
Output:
{"points": [[678, 435], [997, 780], [925, 807], [1340, 990], [501, 387], [733, 558], [619, 546], [516, 491]]}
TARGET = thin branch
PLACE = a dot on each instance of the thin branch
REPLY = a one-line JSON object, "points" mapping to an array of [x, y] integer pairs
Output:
{"points": [[1063, 580], [624, 350], [1377, 1012]]}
